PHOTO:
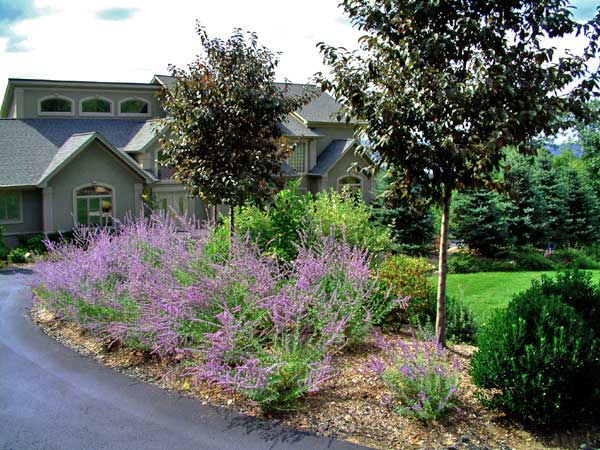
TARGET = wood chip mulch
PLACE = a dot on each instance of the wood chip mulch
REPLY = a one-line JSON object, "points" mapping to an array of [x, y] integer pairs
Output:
{"points": [[348, 407]]}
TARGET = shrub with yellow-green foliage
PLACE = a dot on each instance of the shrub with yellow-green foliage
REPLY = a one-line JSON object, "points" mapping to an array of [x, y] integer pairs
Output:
{"points": [[294, 218]]}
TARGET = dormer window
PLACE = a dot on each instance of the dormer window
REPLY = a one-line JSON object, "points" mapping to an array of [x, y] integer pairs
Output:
{"points": [[134, 107], [96, 106], [56, 105]]}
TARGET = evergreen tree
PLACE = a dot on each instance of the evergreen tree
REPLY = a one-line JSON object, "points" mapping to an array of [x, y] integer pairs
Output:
{"points": [[409, 219], [524, 210], [552, 200], [480, 220], [582, 210]]}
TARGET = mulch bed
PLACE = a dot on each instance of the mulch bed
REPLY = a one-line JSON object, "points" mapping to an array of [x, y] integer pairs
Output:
{"points": [[348, 407]]}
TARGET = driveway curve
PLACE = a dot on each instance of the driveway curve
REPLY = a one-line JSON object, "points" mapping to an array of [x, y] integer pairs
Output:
{"points": [[52, 398]]}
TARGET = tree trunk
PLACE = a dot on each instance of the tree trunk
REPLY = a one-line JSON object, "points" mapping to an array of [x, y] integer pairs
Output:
{"points": [[440, 322], [215, 222], [231, 221]]}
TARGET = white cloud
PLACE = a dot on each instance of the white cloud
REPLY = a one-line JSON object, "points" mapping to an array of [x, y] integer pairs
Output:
{"points": [[73, 44]]}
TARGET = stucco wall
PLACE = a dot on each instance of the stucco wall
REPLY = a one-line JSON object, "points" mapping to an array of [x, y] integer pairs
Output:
{"points": [[340, 170], [93, 164], [32, 213], [331, 134], [31, 98]]}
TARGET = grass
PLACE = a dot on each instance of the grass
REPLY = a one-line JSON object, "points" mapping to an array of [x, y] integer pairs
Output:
{"points": [[486, 291]]}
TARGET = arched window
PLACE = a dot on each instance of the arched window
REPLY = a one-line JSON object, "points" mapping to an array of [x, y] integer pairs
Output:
{"points": [[94, 205], [95, 106], [134, 106], [56, 104], [350, 184]]}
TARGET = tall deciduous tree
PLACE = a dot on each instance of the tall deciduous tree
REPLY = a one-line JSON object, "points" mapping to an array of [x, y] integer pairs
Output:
{"points": [[222, 121], [440, 87]]}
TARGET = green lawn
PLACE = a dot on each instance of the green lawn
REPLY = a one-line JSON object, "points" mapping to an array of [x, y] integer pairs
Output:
{"points": [[486, 291]]}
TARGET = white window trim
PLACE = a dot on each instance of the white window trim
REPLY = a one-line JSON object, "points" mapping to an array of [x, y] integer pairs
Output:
{"points": [[56, 113], [96, 183], [20, 199], [356, 177], [100, 114], [135, 114]]}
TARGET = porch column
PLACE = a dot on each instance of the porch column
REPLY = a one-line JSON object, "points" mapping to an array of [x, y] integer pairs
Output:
{"points": [[47, 216], [138, 188]]}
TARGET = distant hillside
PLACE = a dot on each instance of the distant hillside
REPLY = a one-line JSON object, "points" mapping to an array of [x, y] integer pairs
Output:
{"points": [[557, 149]]}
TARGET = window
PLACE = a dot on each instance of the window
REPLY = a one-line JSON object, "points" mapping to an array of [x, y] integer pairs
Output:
{"points": [[297, 160], [10, 207], [134, 106], [96, 106], [56, 105], [94, 205], [349, 184]]}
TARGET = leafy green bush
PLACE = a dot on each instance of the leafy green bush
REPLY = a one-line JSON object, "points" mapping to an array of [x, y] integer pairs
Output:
{"points": [[533, 260], [3, 247], [33, 243], [536, 358], [404, 276], [19, 255], [574, 258], [465, 262], [460, 322], [349, 217], [522, 260], [294, 218]]}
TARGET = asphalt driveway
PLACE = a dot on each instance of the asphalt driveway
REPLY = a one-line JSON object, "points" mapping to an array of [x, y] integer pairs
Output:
{"points": [[52, 398]]}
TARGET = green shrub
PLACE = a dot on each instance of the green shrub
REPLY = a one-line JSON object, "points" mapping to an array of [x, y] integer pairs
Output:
{"points": [[533, 260], [33, 243], [460, 322], [19, 255], [294, 217], [3, 247], [522, 260], [465, 262], [574, 258], [404, 276], [536, 358], [349, 217]]}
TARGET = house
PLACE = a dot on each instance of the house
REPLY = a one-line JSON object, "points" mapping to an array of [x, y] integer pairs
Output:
{"points": [[78, 152]]}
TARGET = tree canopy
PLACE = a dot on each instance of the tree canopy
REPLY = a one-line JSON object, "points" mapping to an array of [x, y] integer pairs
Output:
{"points": [[441, 87], [223, 116]]}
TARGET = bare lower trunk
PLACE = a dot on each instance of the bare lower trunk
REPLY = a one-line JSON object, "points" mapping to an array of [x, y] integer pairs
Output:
{"points": [[214, 216], [440, 322], [231, 221]]}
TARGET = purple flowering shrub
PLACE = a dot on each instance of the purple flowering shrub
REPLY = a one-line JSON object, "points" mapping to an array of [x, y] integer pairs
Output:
{"points": [[242, 320], [423, 380]]}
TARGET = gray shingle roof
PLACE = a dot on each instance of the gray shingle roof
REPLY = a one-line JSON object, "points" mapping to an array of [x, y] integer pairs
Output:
{"points": [[29, 146], [292, 127], [66, 150], [323, 109], [332, 153]]}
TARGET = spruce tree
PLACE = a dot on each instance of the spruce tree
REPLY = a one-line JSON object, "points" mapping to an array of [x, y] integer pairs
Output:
{"points": [[480, 221]]}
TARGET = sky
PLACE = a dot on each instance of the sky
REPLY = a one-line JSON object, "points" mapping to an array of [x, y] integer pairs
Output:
{"points": [[131, 40]]}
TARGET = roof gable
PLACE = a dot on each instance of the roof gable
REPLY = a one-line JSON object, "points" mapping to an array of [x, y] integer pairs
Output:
{"points": [[78, 143], [31, 148]]}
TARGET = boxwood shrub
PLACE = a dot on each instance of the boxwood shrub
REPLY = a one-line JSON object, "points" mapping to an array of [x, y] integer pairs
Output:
{"points": [[537, 358]]}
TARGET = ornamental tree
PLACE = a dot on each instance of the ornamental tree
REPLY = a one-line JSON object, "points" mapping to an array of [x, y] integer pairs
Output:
{"points": [[222, 133], [441, 87]]}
